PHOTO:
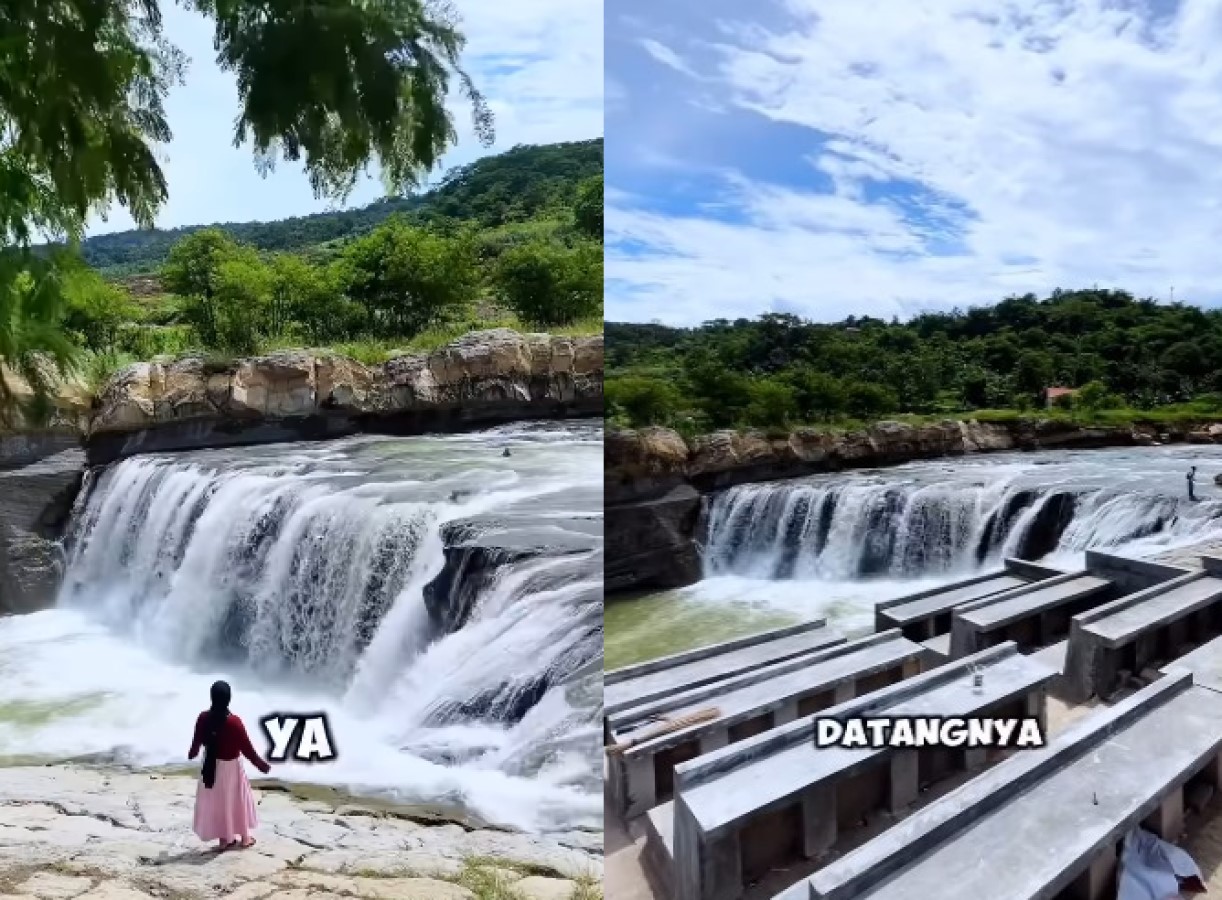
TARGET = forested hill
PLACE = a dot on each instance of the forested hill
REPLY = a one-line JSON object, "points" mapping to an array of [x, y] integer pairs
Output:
{"points": [[523, 183], [779, 370]]}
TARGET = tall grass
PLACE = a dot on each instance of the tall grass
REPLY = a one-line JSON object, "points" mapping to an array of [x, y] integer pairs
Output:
{"points": [[97, 368], [375, 351]]}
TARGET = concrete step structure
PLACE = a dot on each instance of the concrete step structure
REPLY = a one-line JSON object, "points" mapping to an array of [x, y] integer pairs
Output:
{"points": [[938, 649], [1204, 663], [1027, 616], [748, 704], [1046, 823], [1141, 631], [765, 802], [1039, 614], [652, 680], [927, 614]]}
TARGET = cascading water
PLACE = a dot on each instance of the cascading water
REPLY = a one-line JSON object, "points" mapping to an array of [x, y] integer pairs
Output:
{"points": [[839, 531], [307, 575], [833, 545]]}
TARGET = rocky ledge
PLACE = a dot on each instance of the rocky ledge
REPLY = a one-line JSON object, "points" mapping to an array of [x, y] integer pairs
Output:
{"points": [[481, 379], [655, 480], [91, 834], [35, 504]]}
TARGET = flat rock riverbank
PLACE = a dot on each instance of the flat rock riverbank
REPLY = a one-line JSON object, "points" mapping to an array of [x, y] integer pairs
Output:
{"points": [[69, 832]]}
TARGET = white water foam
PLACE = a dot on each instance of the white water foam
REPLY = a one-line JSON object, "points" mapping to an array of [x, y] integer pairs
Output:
{"points": [[298, 574], [834, 545]]}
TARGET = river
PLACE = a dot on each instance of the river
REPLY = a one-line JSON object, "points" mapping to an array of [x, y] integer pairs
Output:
{"points": [[833, 545], [299, 573]]}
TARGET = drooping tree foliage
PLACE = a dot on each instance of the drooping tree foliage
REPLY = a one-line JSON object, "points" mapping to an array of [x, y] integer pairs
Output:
{"points": [[332, 86]]}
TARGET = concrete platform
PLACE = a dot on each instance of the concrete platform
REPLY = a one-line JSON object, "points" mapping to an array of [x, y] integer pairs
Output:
{"points": [[1053, 656], [1048, 820], [757, 804], [659, 845], [1028, 616], [1138, 631], [927, 614], [938, 649], [1039, 614], [1205, 664], [634, 685], [749, 704]]}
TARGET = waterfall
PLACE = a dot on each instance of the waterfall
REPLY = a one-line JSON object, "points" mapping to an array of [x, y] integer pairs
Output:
{"points": [[856, 528], [313, 571], [268, 568]]}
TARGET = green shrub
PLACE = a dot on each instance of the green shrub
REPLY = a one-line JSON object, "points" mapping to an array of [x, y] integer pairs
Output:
{"points": [[549, 285], [643, 401]]}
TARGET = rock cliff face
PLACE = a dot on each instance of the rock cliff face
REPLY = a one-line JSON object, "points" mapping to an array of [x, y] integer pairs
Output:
{"points": [[655, 480], [35, 502], [481, 379]]}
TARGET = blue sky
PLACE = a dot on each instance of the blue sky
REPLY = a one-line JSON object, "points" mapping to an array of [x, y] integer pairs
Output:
{"points": [[539, 62], [834, 157]]}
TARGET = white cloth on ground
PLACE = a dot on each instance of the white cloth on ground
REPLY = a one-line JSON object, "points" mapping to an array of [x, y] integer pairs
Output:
{"points": [[1150, 868]]}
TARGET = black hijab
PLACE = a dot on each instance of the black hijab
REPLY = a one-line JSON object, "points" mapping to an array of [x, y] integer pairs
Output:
{"points": [[217, 716]]}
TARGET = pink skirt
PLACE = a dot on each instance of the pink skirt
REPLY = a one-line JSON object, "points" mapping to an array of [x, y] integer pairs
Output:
{"points": [[225, 811]]}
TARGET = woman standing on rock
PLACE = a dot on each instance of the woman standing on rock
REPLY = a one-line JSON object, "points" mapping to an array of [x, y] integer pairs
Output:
{"points": [[224, 802]]}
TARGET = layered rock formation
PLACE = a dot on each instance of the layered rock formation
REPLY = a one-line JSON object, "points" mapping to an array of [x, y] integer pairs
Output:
{"points": [[25, 447], [35, 503], [481, 379], [655, 480]]}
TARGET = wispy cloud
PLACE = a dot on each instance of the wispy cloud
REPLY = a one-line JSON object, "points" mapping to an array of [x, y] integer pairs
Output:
{"points": [[889, 157]]}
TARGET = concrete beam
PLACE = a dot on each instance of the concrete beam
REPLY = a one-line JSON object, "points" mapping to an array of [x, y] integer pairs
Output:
{"points": [[1077, 797], [1022, 612], [721, 794], [778, 691], [1100, 638], [635, 685]]}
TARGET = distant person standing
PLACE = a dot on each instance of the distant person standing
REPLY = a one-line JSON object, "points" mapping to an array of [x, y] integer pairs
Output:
{"points": [[1192, 483]]}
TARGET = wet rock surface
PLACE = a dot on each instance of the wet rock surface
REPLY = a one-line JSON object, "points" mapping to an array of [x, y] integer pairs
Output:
{"points": [[35, 503], [26, 447], [652, 543], [478, 549], [74, 832]]}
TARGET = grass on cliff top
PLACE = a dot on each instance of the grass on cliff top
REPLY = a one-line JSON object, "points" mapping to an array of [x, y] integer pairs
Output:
{"points": [[377, 351], [1179, 415], [1172, 415], [95, 369]]}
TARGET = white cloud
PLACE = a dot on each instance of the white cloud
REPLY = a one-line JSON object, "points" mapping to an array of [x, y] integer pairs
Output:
{"points": [[539, 63], [1067, 143], [667, 57]]}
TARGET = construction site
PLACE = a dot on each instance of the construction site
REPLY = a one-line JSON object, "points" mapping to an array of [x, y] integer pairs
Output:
{"points": [[715, 789]]}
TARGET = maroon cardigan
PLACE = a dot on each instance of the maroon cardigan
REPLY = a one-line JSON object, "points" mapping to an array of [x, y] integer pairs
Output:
{"points": [[233, 741]]}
